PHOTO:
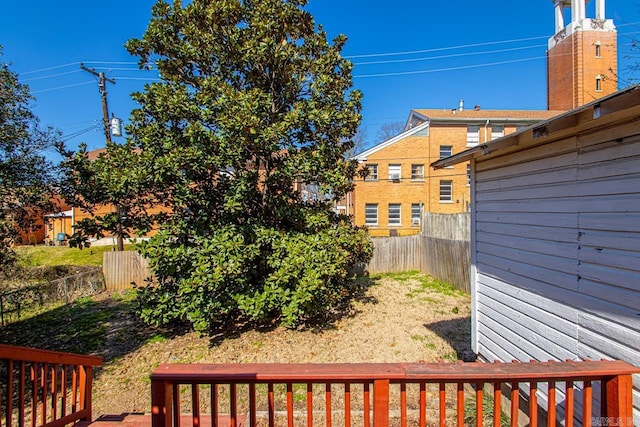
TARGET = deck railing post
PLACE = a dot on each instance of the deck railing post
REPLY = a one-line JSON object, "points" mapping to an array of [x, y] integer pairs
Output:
{"points": [[161, 403], [88, 386], [381, 403], [618, 409]]}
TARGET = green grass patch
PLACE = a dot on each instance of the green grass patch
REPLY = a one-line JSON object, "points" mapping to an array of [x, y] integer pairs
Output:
{"points": [[78, 327], [35, 256]]}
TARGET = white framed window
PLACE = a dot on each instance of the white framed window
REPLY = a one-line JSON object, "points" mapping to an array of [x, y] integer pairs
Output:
{"points": [[417, 172], [446, 151], [598, 50], [598, 83], [371, 214], [395, 214], [372, 172], [497, 131], [468, 174], [446, 190], [473, 135], [395, 172], [416, 214]]}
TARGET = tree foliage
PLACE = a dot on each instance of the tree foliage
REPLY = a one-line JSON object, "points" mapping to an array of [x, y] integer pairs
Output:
{"points": [[26, 176], [254, 101], [111, 188]]}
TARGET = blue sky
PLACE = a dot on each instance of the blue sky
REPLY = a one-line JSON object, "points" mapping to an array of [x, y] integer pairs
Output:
{"points": [[489, 53]]}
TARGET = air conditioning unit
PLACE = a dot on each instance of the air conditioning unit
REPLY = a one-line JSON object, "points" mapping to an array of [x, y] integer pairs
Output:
{"points": [[395, 177], [415, 222]]}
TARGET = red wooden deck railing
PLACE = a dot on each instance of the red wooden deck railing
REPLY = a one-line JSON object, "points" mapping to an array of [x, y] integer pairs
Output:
{"points": [[422, 394], [44, 388]]}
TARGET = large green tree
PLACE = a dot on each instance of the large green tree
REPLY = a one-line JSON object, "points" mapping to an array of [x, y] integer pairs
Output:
{"points": [[253, 102], [26, 176]]}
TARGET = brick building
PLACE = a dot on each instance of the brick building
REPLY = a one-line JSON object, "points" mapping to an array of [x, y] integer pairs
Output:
{"points": [[581, 67], [582, 56], [400, 185]]}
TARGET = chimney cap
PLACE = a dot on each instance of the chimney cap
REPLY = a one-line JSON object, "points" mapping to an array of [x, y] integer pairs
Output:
{"points": [[477, 108]]}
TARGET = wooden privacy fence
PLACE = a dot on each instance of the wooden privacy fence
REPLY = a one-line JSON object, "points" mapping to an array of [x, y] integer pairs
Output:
{"points": [[122, 269], [378, 394], [447, 260], [44, 388]]}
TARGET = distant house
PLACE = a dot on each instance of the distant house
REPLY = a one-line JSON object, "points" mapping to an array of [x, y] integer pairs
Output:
{"points": [[400, 186], [555, 244]]}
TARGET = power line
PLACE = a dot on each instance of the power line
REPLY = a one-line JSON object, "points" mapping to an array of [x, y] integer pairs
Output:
{"points": [[62, 87], [453, 55], [51, 76], [438, 49], [438, 70]]}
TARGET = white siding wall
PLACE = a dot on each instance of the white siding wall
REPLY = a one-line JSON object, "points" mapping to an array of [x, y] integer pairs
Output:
{"points": [[557, 250]]}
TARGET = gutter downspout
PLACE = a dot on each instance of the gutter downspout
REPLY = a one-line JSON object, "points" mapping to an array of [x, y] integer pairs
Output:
{"points": [[486, 125]]}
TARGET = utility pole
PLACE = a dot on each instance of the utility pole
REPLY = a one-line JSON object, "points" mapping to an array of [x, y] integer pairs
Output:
{"points": [[102, 86]]}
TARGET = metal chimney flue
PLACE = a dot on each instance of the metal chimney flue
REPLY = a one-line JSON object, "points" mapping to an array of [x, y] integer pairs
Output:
{"points": [[461, 105]]}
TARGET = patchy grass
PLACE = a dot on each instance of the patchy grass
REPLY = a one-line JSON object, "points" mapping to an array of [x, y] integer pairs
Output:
{"points": [[35, 256], [401, 318]]}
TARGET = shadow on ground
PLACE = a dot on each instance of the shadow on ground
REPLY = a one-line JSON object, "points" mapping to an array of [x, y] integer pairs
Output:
{"points": [[102, 325], [325, 321], [457, 332]]}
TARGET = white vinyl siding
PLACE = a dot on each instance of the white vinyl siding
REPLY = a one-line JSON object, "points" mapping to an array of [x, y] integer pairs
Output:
{"points": [[395, 214], [371, 213], [557, 252]]}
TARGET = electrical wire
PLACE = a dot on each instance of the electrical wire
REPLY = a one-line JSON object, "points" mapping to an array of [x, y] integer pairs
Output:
{"points": [[439, 49], [453, 55], [51, 76], [63, 87], [438, 70]]}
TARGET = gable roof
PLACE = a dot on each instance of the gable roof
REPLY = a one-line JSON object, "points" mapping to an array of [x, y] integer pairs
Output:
{"points": [[363, 156], [595, 114]]}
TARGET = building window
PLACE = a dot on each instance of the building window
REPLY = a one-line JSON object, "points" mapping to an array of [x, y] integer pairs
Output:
{"points": [[371, 214], [599, 84], [446, 191], [446, 151], [473, 136], [395, 214], [468, 174], [395, 172], [415, 214], [497, 131], [372, 172], [598, 50], [417, 172]]}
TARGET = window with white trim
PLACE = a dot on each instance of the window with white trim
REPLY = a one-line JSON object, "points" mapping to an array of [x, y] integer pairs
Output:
{"points": [[468, 174], [473, 135], [415, 214], [395, 214], [417, 172], [598, 50], [497, 131], [371, 214], [446, 151], [395, 172], [598, 83], [372, 172], [446, 190]]}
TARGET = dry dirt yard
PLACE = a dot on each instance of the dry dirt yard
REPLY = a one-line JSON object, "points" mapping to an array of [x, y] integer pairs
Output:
{"points": [[404, 317]]}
